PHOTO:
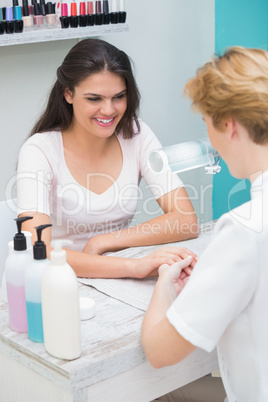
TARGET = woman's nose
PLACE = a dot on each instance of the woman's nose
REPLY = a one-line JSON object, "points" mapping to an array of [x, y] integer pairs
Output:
{"points": [[107, 107]]}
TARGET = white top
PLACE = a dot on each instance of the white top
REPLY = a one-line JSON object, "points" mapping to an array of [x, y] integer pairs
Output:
{"points": [[45, 184], [225, 301]]}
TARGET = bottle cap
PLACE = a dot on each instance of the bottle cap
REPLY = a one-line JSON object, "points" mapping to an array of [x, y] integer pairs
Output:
{"points": [[37, 9], [25, 9], [50, 8], [42, 9], [58, 255], [19, 238], [87, 308], [39, 248], [28, 236]]}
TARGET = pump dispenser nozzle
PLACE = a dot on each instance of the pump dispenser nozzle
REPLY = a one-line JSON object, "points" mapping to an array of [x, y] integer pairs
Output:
{"points": [[58, 255], [39, 248], [19, 238]]}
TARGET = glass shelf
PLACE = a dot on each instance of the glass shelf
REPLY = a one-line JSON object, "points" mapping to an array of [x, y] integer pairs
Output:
{"points": [[46, 35]]}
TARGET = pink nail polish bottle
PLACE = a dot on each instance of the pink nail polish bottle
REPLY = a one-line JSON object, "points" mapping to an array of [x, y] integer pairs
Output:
{"points": [[27, 18], [38, 19]]}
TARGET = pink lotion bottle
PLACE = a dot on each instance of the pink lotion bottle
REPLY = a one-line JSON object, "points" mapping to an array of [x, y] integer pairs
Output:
{"points": [[15, 267]]}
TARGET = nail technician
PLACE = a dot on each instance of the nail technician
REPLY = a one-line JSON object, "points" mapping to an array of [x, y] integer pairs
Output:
{"points": [[224, 303], [81, 167]]}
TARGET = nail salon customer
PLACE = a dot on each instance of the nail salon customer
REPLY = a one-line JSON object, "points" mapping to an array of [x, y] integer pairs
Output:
{"points": [[224, 303], [81, 167]]}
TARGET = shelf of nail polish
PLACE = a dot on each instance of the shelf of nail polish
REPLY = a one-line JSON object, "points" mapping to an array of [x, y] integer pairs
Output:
{"points": [[43, 22], [46, 35]]}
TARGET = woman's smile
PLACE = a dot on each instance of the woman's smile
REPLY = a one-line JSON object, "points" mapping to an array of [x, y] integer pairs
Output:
{"points": [[104, 122]]}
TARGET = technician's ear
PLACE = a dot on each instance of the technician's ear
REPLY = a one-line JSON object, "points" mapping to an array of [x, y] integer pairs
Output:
{"points": [[230, 128], [68, 96]]}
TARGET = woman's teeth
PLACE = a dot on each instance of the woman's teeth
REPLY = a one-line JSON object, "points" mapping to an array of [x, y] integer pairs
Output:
{"points": [[105, 121]]}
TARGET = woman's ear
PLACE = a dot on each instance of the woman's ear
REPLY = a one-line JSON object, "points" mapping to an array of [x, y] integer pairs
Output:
{"points": [[68, 95]]}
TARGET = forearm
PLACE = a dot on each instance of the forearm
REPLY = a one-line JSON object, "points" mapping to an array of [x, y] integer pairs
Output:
{"points": [[95, 266], [167, 228], [162, 344]]}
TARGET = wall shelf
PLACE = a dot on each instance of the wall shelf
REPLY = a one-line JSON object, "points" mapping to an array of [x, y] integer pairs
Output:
{"points": [[46, 35]]}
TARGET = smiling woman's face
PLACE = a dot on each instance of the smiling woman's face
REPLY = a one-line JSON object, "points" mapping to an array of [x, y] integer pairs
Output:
{"points": [[99, 103]]}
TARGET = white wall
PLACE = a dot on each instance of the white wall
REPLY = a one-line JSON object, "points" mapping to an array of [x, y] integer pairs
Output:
{"points": [[167, 41]]}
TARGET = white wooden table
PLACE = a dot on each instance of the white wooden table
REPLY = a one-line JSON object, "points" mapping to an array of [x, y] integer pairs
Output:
{"points": [[112, 367]]}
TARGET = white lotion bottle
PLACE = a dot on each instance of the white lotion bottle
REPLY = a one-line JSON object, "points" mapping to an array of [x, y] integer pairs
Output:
{"points": [[29, 247], [60, 306], [33, 281]]}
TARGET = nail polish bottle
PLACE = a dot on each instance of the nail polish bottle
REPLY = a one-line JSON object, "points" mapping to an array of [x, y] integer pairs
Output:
{"points": [[90, 13], [9, 20], [43, 11], [64, 19], [27, 18], [51, 18], [114, 15], [38, 19], [105, 9], [98, 13], [74, 17], [2, 23], [82, 20], [18, 23], [122, 13]]}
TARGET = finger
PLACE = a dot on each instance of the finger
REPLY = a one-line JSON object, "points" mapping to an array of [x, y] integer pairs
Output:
{"points": [[183, 275], [186, 262], [164, 266], [186, 253], [181, 265], [188, 270], [180, 253]]}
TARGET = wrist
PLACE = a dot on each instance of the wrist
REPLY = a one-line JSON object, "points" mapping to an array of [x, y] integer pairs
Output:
{"points": [[133, 268]]}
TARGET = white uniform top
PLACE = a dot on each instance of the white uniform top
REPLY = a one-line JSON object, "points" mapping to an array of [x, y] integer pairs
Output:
{"points": [[225, 302], [45, 184]]}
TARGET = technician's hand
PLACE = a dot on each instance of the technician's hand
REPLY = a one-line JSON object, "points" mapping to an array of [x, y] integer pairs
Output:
{"points": [[172, 279]]}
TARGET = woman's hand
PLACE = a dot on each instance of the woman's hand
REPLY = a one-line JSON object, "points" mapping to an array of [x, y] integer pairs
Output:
{"points": [[148, 266]]}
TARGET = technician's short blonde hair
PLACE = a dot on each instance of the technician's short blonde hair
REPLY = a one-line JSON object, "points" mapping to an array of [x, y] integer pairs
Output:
{"points": [[234, 85]]}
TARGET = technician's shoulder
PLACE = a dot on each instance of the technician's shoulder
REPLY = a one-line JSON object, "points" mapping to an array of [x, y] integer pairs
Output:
{"points": [[240, 227]]}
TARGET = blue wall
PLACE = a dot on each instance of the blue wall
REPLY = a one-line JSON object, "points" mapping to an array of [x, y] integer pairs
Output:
{"points": [[243, 23]]}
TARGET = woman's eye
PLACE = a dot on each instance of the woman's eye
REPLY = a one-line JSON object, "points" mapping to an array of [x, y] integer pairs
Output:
{"points": [[93, 99], [120, 96]]}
